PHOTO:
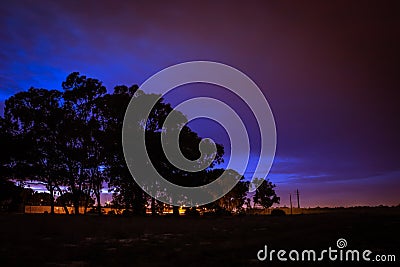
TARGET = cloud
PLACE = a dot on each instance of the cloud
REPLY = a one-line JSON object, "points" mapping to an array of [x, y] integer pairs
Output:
{"points": [[328, 70], [373, 191]]}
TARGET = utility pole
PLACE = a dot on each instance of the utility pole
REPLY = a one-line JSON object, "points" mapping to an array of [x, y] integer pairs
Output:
{"points": [[290, 198], [298, 198]]}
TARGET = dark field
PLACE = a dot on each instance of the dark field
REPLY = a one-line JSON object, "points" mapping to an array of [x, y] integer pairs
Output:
{"points": [[44, 240]]}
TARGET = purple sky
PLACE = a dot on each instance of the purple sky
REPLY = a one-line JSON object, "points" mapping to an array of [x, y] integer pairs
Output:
{"points": [[330, 72]]}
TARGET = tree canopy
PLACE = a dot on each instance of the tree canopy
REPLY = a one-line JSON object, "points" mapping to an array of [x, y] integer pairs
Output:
{"points": [[70, 141]]}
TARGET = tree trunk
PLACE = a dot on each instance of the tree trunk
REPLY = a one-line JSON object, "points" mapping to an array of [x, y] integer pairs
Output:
{"points": [[139, 201], [63, 203], [65, 208], [51, 189], [76, 208], [77, 197], [85, 209], [153, 206], [86, 204], [76, 203], [175, 210], [98, 202]]}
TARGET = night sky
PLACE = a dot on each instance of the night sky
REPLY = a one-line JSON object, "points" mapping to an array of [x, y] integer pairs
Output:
{"points": [[330, 71]]}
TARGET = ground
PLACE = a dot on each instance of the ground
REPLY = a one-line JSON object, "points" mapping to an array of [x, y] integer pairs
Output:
{"points": [[45, 240]]}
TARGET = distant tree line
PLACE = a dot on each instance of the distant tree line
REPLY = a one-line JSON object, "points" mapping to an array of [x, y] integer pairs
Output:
{"points": [[70, 141]]}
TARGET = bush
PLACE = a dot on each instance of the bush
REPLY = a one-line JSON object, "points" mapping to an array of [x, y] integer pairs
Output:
{"points": [[241, 213], [192, 212], [278, 212], [222, 212], [111, 213], [217, 212], [127, 213]]}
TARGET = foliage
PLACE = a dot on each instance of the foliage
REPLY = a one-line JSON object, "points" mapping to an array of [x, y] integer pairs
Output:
{"points": [[70, 141], [12, 196], [265, 194]]}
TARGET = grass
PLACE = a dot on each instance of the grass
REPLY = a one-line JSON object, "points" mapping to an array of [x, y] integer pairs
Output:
{"points": [[44, 240]]}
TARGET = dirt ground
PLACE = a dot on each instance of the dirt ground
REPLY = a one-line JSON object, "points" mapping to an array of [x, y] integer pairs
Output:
{"points": [[44, 240]]}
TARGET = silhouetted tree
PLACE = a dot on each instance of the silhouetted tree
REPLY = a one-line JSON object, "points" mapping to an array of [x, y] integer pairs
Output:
{"points": [[12, 196], [71, 141], [68, 199], [127, 190], [235, 198], [188, 144], [83, 149], [41, 199], [33, 118], [265, 195]]}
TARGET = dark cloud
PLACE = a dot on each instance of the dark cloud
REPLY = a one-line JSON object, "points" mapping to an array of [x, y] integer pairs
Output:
{"points": [[329, 70]]}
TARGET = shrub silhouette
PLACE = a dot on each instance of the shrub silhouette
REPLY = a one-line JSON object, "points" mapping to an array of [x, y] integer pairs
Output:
{"points": [[278, 212], [111, 212], [127, 213], [192, 212]]}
